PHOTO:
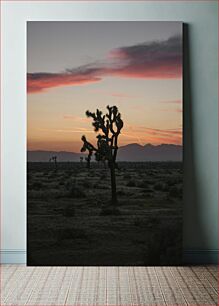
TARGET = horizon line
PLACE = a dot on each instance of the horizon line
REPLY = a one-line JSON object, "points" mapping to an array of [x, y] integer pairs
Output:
{"points": [[154, 145]]}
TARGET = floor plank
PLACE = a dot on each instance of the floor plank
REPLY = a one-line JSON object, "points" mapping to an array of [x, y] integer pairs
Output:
{"points": [[112, 286]]}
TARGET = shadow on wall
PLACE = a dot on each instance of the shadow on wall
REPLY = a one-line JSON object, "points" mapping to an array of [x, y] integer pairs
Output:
{"points": [[193, 226]]}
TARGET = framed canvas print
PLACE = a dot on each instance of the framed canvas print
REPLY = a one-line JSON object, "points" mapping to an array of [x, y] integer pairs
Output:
{"points": [[104, 138]]}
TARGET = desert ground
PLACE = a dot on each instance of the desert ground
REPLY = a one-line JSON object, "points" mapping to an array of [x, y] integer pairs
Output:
{"points": [[69, 220]]}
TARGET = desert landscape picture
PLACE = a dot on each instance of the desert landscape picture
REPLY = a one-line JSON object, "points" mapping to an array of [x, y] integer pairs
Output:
{"points": [[104, 143]]}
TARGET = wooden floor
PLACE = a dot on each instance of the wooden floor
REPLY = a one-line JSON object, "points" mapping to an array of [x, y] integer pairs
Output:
{"points": [[21, 285]]}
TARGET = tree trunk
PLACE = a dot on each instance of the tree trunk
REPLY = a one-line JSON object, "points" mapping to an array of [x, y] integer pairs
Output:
{"points": [[88, 164], [113, 184]]}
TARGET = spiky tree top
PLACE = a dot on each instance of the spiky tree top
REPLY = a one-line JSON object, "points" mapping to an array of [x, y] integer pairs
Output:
{"points": [[109, 126]]}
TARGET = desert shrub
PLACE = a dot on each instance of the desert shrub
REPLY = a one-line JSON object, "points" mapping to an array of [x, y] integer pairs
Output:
{"points": [[144, 183], [101, 186], [127, 176], [110, 211], [103, 176], [74, 190], [54, 185], [121, 192], [153, 250], [69, 211], [58, 194], [159, 186], [91, 173], [148, 182], [166, 187], [146, 190], [153, 221], [29, 186], [175, 192], [68, 184], [37, 185], [42, 194], [172, 182], [68, 173], [131, 183], [180, 189], [141, 184], [71, 233], [86, 184], [52, 175], [137, 222]]}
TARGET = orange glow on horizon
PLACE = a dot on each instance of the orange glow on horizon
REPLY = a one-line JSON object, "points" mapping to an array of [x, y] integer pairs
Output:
{"points": [[69, 140]]}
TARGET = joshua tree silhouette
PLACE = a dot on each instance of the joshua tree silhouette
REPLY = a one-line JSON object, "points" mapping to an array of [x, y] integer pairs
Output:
{"points": [[110, 126], [54, 159], [89, 147]]}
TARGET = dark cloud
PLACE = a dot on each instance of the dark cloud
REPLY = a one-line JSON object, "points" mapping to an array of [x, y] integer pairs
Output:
{"points": [[154, 60], [159, 59]]}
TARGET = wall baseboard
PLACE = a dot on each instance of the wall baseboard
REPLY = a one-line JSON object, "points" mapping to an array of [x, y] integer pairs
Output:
{"points": [[200, 257], [189, 257], [13, 256]]}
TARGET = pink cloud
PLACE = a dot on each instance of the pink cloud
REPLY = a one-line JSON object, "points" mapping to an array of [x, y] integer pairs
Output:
{"points": [[38, 82], [154, 60]]}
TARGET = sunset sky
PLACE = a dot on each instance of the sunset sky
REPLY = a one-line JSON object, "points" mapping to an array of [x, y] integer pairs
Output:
{"points": [[75, 66]]}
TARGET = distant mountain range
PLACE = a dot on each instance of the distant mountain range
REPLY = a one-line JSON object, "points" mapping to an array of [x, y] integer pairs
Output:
{"points": [[131, 152]]}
